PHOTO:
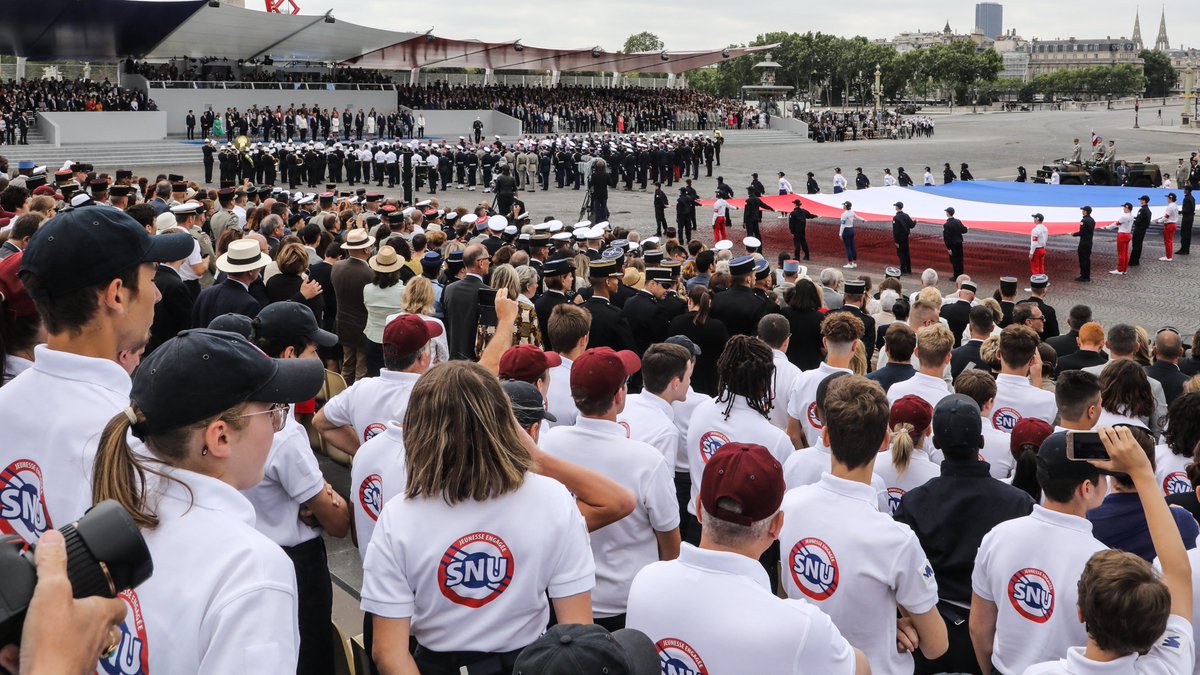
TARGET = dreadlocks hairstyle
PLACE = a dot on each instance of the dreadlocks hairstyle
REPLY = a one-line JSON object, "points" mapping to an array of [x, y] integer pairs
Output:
{"points": [[746, 368]]}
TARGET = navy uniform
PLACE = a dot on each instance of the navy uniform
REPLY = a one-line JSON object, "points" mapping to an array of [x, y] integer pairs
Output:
{"points": [[610, 328], [1141, 224], [551, 298], [672, 303], [857, 287], [209, 150], [902, 224], [740, 308], [1087, 226], [1050, 325], [958, 314], [952, 235], [646, 315], [1008, 288], [173, 313]]}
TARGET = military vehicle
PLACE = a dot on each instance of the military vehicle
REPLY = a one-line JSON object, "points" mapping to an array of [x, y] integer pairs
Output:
{"points": [[1093, 173]]}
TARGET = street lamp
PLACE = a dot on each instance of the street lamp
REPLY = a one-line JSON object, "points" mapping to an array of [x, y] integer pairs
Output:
{"points": [[878, 90], [1137, 109]]}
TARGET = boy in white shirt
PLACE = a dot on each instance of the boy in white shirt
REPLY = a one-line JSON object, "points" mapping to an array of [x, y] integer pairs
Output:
{"points": [[981, 388], [1016, 398], [839, 332], [649, 416], [775, 330], [1136, 621], [934, 344]]}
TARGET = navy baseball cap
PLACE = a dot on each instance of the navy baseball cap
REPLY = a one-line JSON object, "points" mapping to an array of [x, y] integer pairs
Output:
{"points": [[571, 649], [292, 319], [528, 405], [1052, 461], [215, 371], [685, 342], [93, 244], [957, 423], [233, 323]]}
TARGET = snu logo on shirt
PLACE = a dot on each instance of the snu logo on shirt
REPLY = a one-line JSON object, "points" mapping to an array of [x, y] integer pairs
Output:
{"points": [[678, 658], [1032, 594], [475, 570], [1005, 419], [373, 429], [893, 499], [1176, 483], [23, 501], [370, 495], [133, 652], [710, 443], [813, 418], [814, 568]]}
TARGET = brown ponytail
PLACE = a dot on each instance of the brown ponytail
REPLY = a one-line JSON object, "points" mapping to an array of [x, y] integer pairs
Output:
{"points": [[702, 299], [902, 446]]}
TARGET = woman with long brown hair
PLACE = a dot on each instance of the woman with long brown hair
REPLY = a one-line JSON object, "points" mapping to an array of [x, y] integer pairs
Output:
{"points": [[206, 405], [464, 559], [707, 333]]}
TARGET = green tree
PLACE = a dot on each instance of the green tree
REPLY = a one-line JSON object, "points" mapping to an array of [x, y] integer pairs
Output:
{"points": [[1160, 75], [644, 41]]}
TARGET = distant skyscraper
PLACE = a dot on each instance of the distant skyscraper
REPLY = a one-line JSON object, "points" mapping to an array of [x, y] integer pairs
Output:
{"points": [[989, 18]]}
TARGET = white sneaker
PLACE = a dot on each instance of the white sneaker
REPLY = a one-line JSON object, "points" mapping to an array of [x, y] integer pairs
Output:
{"points": [[848, 266], [1166, 259], [471, 189], [1115, 272]]}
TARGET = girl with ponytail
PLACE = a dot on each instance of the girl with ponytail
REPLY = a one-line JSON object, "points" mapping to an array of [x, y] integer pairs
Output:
{"points": [[707, 333], [910, 422], [1025, 441], [206, 405]]}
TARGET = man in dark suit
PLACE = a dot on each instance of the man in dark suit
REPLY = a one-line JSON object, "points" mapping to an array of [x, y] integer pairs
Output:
{"points": [[854, 299], [1187, 217], [1008, 299], [1090, 343], [952, 234], [739, 308], [958, 313], [1168, 349], [660, 209], [460, 303], [754, 207], [349, 278], [1039, 285], [559, 276], [610, 328], [1087, 227], [981, 323], [173, 313], [902, 224], [1068, 343], [1141, 224], [646, 315], [242, 265]]}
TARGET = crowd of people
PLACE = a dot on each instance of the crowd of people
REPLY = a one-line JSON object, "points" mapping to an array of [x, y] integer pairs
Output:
{"points": [[834, 126], [223, 70], [60, 95], [573, 420]]}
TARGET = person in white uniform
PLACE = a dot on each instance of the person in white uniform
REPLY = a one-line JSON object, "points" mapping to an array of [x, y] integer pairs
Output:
{"points": [[839, 332], [906, 465], [852, 561], [597, 442], [1016, 397], [674, 602], [363, 410], [465, 558], [90, 272], [1137, 622], [683, 411], [1181, 436], [223, 596], [775, 330], [649, 416], [1024, 584], [294, 504], [934, 344], [568, 329]]}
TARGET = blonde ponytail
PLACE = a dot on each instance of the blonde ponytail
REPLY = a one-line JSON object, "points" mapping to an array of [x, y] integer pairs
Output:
{"points": [[902, 446]]}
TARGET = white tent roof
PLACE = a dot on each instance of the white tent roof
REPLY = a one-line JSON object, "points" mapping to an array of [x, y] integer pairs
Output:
{"points": [[228, 32]]}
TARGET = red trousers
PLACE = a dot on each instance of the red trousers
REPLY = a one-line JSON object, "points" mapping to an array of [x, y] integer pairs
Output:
{"points": [[719, 229], [1037, 264], [1169, 239], [1123, 251]]}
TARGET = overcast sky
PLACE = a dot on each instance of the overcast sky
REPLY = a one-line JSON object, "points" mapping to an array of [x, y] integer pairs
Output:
{"points": [[702, 24]]}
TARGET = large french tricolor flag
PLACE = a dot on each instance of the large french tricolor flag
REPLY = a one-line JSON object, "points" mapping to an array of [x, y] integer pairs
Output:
{"points": [[981, 205]]}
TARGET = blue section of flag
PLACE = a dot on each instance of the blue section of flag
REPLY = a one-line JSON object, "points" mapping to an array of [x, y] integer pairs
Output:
{"points": [[1036, 195]]}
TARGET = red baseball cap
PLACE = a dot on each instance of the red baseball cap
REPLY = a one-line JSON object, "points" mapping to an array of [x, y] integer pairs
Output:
{"points": [[17, 303], [1029, 432], [527, 363], [599, 373], [912, 410], [747, 475], [407, 334]]}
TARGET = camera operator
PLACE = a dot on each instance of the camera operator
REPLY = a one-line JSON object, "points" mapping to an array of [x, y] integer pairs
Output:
{"points": [[599, 189]]}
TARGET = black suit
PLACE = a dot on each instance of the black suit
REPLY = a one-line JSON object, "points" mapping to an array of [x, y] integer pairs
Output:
{"points": [[1066, 344], [460, 303], [964, 356], [958, 316], [1087, 227], [952, 235], [1080, 359], [543, 306], [740, 309], [173, 313], [1141, 223], [610, 328], [227, 297], [902, 224], [1051, 323], [1169, 376], [647, 319]]}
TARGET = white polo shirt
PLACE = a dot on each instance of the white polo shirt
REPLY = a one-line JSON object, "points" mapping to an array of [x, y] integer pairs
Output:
{"points": [[558, 395], [930, 389], [714, 612], [291, 477], [709, 430], [1017, 399], [185, 270], [786, 374], [683, 417], [651, 420], [474, 576], [802, 405], [626, 546], [379, 463], [1170, 470], [1030, 567], [223, 596], [920, 470], [997, 451], [856, 564], [1173, 654], [370, 403], [51, 417], [806, 466]]}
